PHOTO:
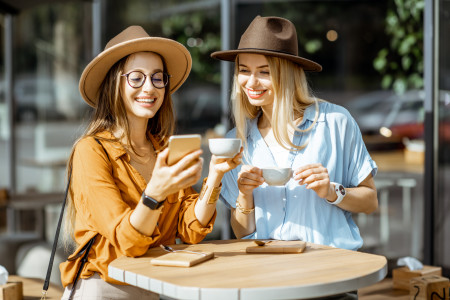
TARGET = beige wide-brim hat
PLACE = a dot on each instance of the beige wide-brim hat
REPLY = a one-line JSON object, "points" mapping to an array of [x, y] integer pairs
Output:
{"points": [[272, 36], [134, 39]]}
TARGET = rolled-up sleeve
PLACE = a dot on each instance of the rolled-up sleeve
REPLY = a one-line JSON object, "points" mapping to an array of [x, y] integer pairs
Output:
{"points": [[190, 230], [359, 163]]}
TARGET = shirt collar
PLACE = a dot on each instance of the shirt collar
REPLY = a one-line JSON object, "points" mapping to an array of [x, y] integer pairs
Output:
{"points": [[116, 149], [309, 114]]}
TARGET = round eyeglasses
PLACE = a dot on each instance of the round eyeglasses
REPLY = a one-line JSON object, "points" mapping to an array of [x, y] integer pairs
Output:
{"points": [[136, 79]]}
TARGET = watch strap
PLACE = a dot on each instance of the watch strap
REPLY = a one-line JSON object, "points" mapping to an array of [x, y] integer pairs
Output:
{"points": [[339, 189]]}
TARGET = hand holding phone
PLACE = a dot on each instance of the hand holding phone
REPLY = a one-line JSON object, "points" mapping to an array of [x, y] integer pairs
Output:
{"points": [[181, 145]]}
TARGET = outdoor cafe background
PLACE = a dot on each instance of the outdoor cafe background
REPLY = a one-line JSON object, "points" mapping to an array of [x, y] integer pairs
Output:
{"points": [[374, 62]]}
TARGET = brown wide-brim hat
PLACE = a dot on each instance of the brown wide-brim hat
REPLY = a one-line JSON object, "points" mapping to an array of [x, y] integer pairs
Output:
{"points": [[134, 39], [272, 36]]}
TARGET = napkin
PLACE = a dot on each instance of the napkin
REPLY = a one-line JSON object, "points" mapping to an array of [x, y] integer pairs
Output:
{"points": [[181, 259], [278, 247], [3, 275], [411, 262]]}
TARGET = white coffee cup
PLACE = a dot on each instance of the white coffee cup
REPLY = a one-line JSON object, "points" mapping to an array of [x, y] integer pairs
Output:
{"points": [[225, 147], [277, 176]]}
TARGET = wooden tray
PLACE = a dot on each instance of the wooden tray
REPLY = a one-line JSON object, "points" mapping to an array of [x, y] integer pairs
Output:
{"points": [[181, 259], [278, 247]]}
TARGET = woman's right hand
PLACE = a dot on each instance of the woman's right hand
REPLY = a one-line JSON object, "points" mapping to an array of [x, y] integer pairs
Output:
{"points": [[249, 178], [167, 180]]}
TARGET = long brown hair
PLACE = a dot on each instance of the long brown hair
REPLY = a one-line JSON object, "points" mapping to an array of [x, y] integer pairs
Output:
{"points": [[110, 114]]}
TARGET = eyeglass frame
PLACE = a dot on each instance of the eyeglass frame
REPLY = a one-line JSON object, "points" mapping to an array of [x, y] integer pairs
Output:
{"points": [[145, 78]]}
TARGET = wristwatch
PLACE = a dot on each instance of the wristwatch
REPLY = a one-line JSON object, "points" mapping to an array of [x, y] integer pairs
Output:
{"points": [[340, 193], [150, 202]]}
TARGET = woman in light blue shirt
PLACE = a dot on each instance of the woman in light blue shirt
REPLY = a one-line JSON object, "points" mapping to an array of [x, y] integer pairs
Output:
{"points": [[282, 124]]}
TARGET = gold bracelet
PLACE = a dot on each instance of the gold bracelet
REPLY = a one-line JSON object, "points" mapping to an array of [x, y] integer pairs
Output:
{"points": [[214, 194], [242, 210]]}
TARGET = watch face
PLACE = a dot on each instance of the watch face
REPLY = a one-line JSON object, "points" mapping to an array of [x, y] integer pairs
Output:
{"points": [[150, 202], [342, 190]]}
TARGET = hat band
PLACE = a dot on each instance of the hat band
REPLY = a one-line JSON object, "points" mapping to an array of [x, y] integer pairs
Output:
{"points": [[269, 50]]}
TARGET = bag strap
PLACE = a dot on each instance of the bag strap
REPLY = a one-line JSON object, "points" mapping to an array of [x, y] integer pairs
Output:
{"points": [[55, 242], [83, 261]]}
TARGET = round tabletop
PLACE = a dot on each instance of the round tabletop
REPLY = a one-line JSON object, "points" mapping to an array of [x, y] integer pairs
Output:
{"points": [[234, 274]]}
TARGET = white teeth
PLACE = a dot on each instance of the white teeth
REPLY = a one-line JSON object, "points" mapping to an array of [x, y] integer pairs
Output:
{"points": [[255, 93], [146, 100]]}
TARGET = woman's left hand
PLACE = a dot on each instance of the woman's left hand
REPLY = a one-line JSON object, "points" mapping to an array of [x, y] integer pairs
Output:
{"points": [[316, 178], [223, 165]]}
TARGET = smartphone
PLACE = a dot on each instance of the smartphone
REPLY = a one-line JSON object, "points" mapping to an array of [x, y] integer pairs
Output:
{"points": [[181, 145]]}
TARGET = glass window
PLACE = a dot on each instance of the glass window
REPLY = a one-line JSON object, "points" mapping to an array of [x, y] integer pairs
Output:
{"points": [[53, 43], [50, 47]]}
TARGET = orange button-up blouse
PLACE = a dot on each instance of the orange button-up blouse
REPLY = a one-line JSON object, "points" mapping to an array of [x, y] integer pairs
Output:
{"points": [[105, 189]]}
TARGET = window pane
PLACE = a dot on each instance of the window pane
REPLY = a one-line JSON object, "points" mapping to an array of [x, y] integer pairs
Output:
{"points": [[50, 49]]}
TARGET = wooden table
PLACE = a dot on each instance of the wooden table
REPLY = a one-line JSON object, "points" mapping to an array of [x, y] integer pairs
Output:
{"points": [[235, 274]]}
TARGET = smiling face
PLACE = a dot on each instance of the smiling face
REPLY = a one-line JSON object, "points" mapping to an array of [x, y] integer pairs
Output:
{"points": [[143, 102], [254, 79]]}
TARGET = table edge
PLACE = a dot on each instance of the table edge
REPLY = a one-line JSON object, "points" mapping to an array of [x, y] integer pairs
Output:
{"points": [[312, 290], [279, 292]]}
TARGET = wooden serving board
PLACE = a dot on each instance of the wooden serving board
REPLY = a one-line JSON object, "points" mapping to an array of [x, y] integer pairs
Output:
{"points": [[278, 247], [181, 259]]}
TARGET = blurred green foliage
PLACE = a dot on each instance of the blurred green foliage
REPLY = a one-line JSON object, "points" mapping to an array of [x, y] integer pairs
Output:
{"points": [[193, 23], [401, 63], [201, 35]]}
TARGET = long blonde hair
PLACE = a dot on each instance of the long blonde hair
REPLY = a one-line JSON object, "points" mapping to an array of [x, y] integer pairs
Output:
{"points": [[110, 114], [292, 96]]}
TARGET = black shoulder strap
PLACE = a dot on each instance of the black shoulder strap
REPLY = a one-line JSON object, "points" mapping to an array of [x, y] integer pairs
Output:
{"points": [[55, 241], [103, 148]]}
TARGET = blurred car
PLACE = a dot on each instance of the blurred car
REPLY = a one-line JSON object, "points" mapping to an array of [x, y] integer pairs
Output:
{"points": [[386, 119], [370, 110], [40, 97]]}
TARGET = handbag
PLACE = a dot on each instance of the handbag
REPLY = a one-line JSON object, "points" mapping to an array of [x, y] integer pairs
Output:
{"points": [[83, 252]]}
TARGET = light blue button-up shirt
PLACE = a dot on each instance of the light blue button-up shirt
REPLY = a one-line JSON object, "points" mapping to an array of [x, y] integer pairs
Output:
{"points": [[292, 212]]}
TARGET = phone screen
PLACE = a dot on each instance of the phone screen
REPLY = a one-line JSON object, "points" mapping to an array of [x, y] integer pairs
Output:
{"points": [[181, 145]]}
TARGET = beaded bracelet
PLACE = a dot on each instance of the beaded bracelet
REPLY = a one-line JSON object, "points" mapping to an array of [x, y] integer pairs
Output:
{"points": [[214, 194], [242, 210]]}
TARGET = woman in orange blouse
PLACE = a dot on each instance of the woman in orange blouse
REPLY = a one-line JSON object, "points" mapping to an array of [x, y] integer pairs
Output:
{"points": [[122, 190]]}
